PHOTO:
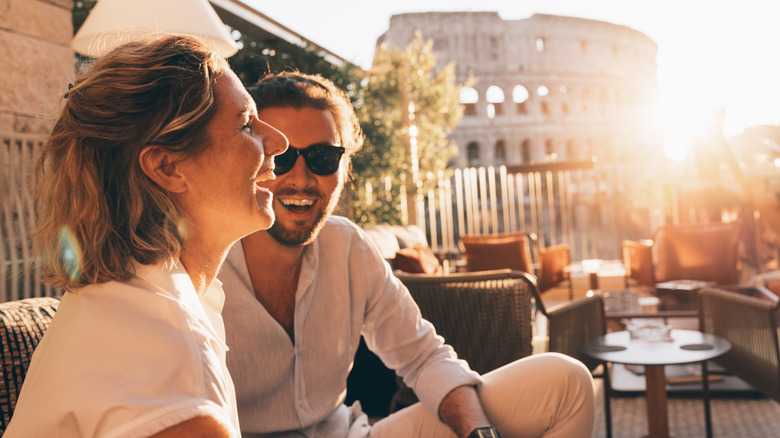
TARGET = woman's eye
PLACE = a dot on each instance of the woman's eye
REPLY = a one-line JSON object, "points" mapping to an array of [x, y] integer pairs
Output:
{"points": [[248, 125]]}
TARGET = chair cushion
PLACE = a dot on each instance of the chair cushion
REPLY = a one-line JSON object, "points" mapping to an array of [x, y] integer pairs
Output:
{"points": [[409, 236], [22, 325], [384, 239], [417, 260], [502, 251]]}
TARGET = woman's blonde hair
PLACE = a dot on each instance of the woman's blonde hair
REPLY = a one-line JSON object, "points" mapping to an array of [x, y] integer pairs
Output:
{"points": [[96, 209]]}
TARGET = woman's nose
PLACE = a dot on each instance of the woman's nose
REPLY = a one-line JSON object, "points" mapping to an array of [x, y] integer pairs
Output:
{"points": [[273, 140]]}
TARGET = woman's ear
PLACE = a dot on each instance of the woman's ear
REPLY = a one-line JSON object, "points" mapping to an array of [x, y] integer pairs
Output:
{"points": [[161, 167]]}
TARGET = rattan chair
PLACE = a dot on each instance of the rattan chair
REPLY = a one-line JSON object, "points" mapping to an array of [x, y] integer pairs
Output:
{"points": [[569, 325], [707, 252], [748, 319], [22, 325], [487, 316]]}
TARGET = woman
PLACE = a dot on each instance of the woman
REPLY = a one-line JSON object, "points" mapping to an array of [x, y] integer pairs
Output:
{"points": [[150, 175]]}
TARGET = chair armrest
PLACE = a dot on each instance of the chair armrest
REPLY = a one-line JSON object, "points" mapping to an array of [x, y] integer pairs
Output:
{"points": [[570, 324], [751, 326]]}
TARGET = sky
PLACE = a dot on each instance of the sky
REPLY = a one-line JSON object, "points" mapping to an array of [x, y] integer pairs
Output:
{"points": [[711, 53]]}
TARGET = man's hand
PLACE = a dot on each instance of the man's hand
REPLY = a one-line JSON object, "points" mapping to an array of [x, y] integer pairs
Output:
{"points": [[198, 427], [462, 411]]}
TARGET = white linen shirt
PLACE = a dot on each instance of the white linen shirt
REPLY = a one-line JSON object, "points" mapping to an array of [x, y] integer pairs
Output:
{"points": [[345, 289], [129, 360]]}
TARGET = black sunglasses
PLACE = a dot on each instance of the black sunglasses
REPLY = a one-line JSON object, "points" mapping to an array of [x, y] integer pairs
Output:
{"points": [[321, 158]]}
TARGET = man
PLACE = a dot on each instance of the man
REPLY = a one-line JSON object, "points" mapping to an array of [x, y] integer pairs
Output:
{"points": [[300, 295]]}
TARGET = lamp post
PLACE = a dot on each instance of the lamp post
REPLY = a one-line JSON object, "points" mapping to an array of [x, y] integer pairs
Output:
{"points": [[410, 143], [112, 22]]}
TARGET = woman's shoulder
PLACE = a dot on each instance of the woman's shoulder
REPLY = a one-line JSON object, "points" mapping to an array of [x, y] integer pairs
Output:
{"points": [[114, 344]]}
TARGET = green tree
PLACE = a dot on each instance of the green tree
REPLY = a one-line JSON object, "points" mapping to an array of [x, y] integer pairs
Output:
{"points": [[402, 79]]}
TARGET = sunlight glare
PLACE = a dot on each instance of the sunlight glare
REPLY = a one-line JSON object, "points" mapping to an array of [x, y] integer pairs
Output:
{"points": [[681, 121]]}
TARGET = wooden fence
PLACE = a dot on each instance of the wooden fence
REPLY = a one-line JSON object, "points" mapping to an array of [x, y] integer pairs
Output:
{"points": [[18, 274], [581, 204]]}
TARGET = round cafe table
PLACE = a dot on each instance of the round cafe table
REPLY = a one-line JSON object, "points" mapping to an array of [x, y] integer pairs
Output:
{"points": [[685, 346]]}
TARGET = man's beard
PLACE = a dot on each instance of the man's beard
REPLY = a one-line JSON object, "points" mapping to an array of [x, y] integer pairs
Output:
{"points": [[303, 234]]}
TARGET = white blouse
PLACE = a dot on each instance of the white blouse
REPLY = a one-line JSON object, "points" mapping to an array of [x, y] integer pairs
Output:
{"points": [[129, 360]]}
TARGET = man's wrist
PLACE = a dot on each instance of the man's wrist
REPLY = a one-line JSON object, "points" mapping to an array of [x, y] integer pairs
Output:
{"points": [[484, 432]]}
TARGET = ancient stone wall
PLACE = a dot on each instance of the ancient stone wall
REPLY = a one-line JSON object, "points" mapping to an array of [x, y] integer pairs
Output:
{"points": [[549, 87], [36, 62]]}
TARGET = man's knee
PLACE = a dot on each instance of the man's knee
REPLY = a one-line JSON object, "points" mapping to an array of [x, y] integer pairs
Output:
{"points": [[545, 364], [537, 393], [553, 372], [562, 365]]}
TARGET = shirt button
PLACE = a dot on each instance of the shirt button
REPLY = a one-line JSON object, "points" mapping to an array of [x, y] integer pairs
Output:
{"points": [[300, 403]]}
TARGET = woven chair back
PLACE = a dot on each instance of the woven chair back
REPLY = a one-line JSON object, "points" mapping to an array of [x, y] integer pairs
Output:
{"points": [[22, 325], [485, 317], [750, 324]]}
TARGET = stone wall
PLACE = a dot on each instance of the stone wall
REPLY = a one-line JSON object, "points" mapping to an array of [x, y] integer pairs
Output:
{"points": [[591, 86], [37, 62]]}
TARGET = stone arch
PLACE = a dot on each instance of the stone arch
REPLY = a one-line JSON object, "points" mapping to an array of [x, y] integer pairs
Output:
{"points": [[549, 148], [520, 97], [472, 154], [499, 153], [525, 150], [469, 97], [495, 101], [571, 151]]}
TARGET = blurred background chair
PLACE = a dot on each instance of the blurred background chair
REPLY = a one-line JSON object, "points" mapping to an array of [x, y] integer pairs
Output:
{"points": [[518, 251], [554, 262], [22, 325], [569, 325], [638, 262], [486, 316], [748, 319], [498, 251], [708, 252]]}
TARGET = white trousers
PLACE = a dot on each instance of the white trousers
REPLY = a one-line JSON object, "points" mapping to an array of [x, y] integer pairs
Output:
{"points": [[546, 395]]}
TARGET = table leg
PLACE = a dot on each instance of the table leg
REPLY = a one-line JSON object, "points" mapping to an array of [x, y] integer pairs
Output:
{"points": [[593, 279], [705, 391], [657, 416]]}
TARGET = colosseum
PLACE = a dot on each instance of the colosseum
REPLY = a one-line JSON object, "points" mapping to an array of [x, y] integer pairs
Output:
{"points": [[549, 88]]}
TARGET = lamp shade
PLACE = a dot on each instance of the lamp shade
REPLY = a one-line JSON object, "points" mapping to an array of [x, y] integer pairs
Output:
{"points": [[112, 22]]}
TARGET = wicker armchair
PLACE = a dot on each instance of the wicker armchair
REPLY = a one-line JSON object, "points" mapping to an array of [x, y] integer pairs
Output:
{"points": [[22, 325], [485, 316], [748, 319], [569, 325]]}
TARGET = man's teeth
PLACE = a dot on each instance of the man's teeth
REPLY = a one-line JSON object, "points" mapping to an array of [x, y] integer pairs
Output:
{"points": [[298, 202]]}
